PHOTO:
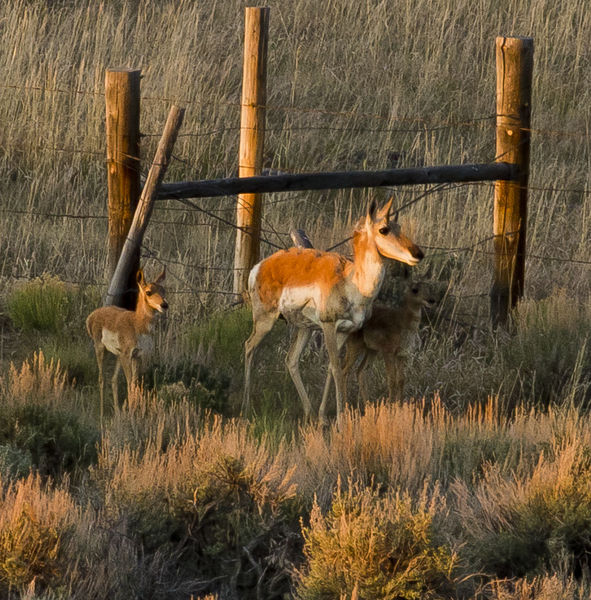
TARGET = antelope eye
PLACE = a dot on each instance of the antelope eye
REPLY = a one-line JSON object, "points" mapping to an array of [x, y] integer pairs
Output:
{"points": [[415, 290], [148, 293], [384, 230]]}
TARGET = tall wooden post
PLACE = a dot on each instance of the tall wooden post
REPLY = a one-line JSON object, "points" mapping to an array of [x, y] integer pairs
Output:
{"points": [[252, 136], [514, 83], [122, 96], [124, 270]]}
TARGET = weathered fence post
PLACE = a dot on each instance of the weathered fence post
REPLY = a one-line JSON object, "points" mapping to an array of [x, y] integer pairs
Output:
{"points": [[122, 98], [514, 78], [252, 135], [125, 269]]}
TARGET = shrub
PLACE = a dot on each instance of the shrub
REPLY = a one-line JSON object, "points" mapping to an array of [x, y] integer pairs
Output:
{"points": [[42, 304], [37, 420], [33, 527], [54, 440], [14, 463], [75, 357], [217, 500], [220, 339], [376, 547], [193, 381], [518, 527]]}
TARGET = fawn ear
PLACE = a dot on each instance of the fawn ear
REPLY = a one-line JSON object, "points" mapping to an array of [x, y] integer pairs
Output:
{"points": [[140, 278], [161, 276], [384, 212]]}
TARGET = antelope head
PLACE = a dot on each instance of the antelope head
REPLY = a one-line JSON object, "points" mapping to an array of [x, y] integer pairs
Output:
{"points": [[388, 237]]}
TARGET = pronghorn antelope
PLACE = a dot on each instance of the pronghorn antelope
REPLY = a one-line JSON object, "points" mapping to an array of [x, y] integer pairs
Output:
{"points": [[126, 333], [313, 289], [390, 332]]}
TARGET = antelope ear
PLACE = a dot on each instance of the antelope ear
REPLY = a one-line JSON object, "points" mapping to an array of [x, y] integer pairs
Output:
{"points": [[140, 278], [161, 276], [371, 213], [384, 212]]}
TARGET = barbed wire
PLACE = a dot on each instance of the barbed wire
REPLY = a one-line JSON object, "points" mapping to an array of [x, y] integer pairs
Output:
{"points": [[427, 124]]}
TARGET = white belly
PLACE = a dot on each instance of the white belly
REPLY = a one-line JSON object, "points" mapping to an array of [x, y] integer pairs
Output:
{"points": [[110, 340], [299, 306], [144, 343]]}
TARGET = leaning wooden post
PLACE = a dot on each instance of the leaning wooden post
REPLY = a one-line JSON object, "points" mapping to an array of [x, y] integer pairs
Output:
{"points": [[125, 267], [252, 136], [122, 99], [514, 83]]}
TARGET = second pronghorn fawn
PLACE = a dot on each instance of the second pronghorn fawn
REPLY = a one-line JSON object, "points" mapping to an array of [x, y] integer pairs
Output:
{"points": [[389, 332], [323, 290], [127, 333]]}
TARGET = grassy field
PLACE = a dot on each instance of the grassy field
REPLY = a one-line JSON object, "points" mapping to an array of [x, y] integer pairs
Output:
{"points": [[477, 486]]}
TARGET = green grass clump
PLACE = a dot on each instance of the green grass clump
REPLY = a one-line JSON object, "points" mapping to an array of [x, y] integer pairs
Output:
{"points": [[220, 338], [42, 304], [376, 547], [549, 353]]}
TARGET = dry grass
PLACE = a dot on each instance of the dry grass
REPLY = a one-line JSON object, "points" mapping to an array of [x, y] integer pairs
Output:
{"points": [[171, 501], [185, 504]]}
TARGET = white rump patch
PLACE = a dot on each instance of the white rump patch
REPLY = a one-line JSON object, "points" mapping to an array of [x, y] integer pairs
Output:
{"points": [[252, 276]]}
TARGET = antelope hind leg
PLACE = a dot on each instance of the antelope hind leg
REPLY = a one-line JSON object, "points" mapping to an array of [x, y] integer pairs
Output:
{"points": [[293, 366], [261, 327]]}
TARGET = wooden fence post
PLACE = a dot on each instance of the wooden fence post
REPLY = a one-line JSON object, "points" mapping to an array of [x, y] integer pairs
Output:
{"points": [[252, 135], [125, 270], [514, 56], [122, 97]]}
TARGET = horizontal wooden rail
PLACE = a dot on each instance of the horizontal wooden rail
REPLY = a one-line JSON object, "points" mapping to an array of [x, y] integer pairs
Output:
{"points": [[337, 180]]}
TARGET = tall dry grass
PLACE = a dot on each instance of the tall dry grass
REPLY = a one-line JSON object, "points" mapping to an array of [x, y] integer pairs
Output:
{"points": [[350, 86]]}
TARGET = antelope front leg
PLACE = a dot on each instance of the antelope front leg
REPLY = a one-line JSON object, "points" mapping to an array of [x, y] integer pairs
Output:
{"points": [[362, 378], [395, 367], [114, 383], [129, 370], [100, 359], [136, 370]]}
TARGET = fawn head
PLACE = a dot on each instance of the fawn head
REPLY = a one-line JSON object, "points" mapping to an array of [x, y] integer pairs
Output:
{"points": [[388, 237], [426, 293], [152, 294]]}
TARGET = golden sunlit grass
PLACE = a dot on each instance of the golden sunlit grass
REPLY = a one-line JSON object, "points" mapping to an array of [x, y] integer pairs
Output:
{"points": [[430, 501], [477, 487]]}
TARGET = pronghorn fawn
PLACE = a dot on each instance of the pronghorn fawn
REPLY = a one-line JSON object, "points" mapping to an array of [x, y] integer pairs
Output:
{"points": [[389, 332], [127, 333], [313, 289]]}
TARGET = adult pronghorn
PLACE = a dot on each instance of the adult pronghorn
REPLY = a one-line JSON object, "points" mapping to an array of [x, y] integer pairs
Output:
{"points": [[313, 289], [126, 333]]}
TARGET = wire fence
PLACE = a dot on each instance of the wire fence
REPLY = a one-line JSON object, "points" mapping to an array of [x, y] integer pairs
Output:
{"points": [[222, 215]]}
